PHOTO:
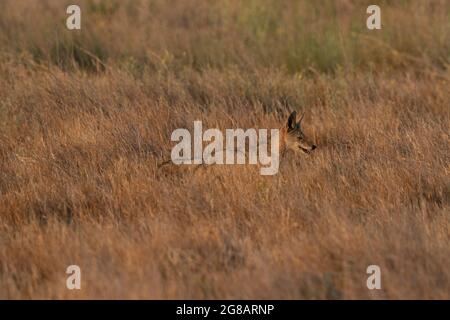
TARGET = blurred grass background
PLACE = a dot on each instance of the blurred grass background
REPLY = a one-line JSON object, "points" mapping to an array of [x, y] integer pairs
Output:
{"points": [[294, 36]]}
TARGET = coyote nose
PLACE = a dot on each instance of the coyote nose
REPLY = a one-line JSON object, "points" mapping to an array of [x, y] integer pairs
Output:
{"points": [[313, 147]]}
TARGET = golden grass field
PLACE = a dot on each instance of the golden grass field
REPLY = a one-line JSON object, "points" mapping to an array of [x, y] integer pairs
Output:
{"points": [[86, 116]]}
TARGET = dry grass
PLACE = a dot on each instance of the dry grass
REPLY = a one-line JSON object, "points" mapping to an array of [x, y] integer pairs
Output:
{"points": [[86, 115]]}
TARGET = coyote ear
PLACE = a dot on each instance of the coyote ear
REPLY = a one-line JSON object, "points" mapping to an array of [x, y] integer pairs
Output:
{"points": [[291, 121]]}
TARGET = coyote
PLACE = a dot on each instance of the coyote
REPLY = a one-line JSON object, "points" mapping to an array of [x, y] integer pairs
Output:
{"points": [[291, 137]]}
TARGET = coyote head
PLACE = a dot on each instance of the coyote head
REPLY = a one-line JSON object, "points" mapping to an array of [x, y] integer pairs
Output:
{"points": [[293, 137]]}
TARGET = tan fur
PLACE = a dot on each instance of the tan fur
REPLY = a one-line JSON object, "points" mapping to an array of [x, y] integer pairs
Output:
{"points": [[293, 138]]}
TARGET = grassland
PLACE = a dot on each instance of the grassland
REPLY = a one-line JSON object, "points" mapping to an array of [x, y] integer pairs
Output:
{"points": [[85, 116]]}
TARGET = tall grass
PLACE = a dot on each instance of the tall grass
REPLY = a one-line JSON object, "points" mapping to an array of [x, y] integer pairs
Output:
{"points": [[85, 116], [292, 35]]}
